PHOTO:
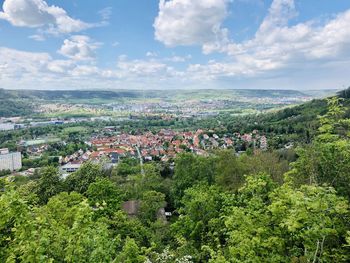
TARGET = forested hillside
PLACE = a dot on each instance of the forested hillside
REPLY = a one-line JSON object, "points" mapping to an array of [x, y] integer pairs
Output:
{"points": [[12, 105], [297, 124], [265, 207]]}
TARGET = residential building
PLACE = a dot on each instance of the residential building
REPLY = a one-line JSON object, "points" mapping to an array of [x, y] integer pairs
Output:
{"points": [[10, 161], [70, 168], [7, 126]]}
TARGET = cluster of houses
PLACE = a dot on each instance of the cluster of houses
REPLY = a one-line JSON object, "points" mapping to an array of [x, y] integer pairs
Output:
{"points": [[162, 146]]}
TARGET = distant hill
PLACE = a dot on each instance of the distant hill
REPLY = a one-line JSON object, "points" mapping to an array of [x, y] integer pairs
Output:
{"points": [[71, 94], [134, 94], [345, 94], [270, 93], [320, 93], [13, 105]]}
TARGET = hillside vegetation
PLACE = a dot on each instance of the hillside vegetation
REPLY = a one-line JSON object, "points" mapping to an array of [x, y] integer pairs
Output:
{"points": [[13, 105], [298, 124]]}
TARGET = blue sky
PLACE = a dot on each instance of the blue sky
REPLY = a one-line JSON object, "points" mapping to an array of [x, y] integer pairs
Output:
{"points": [[174, 44]]}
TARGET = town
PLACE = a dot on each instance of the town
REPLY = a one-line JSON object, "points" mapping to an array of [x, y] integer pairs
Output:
{"points": [[162, 146]]}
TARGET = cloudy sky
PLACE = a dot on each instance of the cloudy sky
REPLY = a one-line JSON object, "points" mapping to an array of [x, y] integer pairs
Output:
{"points": [[174, 44]]}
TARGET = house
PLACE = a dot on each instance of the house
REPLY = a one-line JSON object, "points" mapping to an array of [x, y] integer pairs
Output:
{"points": [[110, 128], [148, 158], [131, 208], [70, 168], [228, 141], [214, 142], [114, 156]]}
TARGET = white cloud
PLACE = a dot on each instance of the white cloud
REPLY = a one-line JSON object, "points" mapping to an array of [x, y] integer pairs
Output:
{"points": [[279, 48], [37, 37], [174, 58], [105, 13], [60, 66], [20, 63], [191, 22], [31, 70], [22, 70], [151, 54], [79, 47], [140, 67], [37, 13], [280, 12], [25, 70], [276, 46], [28, 13], [115, 44], [84, 70], [179, 58]]}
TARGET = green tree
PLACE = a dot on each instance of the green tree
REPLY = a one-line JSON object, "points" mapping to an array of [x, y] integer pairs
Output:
{"points": [[312, 222], [199, 223], [63, 230], [14, 214], [229, 170], [190, 170], [276, 224], [266, 162], [151, 202], [49, 184], [131, 253], [167, 256], [327, 159], [104, 195], [28, 192], [81, 179], [4, 172], [333, 124]]}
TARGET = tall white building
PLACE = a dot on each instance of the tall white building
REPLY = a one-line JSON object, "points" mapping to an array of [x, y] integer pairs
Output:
{"points": [[10, 161], [7, 126]]}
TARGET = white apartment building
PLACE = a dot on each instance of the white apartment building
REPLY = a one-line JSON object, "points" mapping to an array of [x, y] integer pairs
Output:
{"points": [[10, 161], [7, 126]]}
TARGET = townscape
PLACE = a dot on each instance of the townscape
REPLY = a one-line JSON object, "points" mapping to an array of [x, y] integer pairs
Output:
{"points": [[162, 146]]}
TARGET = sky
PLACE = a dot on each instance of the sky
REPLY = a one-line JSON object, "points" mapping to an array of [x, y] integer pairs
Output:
{"points": [[175, 44]]}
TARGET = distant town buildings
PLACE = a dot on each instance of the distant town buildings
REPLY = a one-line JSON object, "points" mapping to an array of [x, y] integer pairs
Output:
{"points": [[10, 161], [165, 144], [263, 143]]}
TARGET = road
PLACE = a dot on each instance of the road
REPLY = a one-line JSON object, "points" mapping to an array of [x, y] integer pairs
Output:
{"points": [[141, 160]]}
